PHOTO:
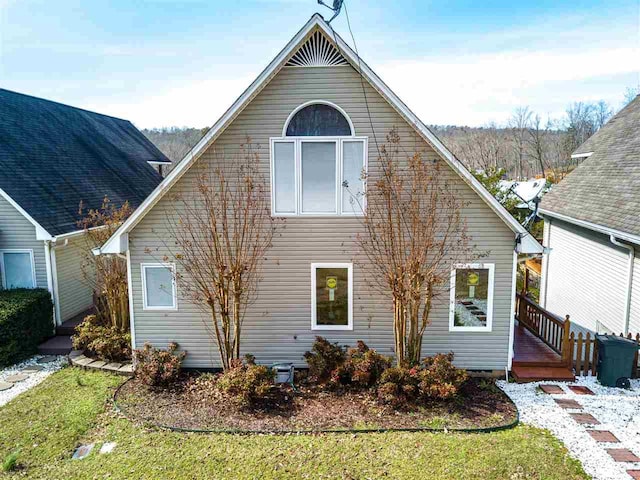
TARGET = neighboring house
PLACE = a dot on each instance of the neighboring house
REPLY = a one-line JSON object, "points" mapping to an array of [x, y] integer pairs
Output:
{"points": [[313, 88], [53, 157], [592, 228]]}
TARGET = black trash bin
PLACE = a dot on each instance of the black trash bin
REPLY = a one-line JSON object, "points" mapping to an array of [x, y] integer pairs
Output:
{"points": [[615, 360]]}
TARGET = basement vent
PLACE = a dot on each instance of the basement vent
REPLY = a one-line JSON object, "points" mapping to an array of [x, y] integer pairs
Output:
{"points": [[317, 51]]}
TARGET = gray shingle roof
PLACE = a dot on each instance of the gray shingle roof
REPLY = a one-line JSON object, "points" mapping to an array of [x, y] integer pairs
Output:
{"points": [[53, 156], [605, 188]]}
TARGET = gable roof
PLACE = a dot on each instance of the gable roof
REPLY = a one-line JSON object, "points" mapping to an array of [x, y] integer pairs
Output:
{"points": [[604, 190], [117, 243], [54, 156]]}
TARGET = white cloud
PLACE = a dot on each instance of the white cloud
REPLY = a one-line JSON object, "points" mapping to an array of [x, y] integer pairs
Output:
{"points": [[474, 90], [195, 104], [470, 90]]}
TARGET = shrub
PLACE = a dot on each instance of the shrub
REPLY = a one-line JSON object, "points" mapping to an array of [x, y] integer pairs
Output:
{"points": [[398, 386], [323, 359], [435, 379], [245, 384], [102, 340], [157, 367], [26, 319], [362, 367], [439, 378]]}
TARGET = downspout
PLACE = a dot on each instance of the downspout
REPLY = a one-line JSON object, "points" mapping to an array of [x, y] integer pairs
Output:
{"points": [[627, 307], [51, 275]]}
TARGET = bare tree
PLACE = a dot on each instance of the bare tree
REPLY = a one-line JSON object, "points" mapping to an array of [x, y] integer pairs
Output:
{"points": [[221, 234], [519, 125], [413, 234], [537, 142], [105, 274], [602, 114]]}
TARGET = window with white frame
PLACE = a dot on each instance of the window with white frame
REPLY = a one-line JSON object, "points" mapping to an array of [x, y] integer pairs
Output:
{"points": [[332, 296], [159, 286], [317, 165], [17, 269], [471, 308]]}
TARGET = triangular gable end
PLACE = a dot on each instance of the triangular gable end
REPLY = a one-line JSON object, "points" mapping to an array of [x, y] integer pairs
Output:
{"points": [[315, 45], [317, 51]]}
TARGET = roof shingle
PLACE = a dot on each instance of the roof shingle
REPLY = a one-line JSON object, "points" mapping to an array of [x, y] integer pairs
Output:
{"points": [[54, 156], [605, 188]]}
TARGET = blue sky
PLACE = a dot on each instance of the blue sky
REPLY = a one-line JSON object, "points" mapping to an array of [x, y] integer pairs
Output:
{"points": [[163, 63]]}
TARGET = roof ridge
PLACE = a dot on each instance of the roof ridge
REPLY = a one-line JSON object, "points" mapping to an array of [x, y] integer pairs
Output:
{"points": [[13, 92]]}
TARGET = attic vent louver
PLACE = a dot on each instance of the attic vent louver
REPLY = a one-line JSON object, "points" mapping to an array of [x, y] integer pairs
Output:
{"points": [[317, 51]]}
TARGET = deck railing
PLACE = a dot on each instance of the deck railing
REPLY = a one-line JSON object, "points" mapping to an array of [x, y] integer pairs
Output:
{"points": [[579, 352], [550, 328]]}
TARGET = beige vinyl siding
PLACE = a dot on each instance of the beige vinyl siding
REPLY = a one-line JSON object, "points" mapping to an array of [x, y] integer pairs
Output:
{"points": [[18, 232], [634, 315], [278, 324], [74, 292], [586, 277]]}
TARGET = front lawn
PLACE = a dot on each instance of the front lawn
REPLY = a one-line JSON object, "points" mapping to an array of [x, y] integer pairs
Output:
{"points": [[47, 423]]}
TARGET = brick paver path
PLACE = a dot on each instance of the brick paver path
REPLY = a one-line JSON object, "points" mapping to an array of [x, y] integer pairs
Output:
{"points": [[585, 418], [580, 390], [568, 403], [552, 389], [635, 474], [603, 436], [623, 455]]}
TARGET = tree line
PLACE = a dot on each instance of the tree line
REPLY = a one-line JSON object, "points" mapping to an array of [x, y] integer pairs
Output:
{"points": [[528, 145]]}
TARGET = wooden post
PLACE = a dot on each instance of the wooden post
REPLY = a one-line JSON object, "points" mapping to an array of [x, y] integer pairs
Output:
{"points": [[566, 330], [522, 310]]}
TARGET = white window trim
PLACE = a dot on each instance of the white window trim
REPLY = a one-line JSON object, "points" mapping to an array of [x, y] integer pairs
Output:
{"points": [[314, 320], [316, 102], [297, 152], [145, 305], [18, 250], [490, 290]]}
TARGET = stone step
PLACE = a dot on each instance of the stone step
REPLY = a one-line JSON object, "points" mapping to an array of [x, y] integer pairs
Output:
{"points": [[58, 345], [525, 374]]}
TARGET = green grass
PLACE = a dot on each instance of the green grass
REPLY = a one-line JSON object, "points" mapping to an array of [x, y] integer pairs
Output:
{"points": [[47, 423]]}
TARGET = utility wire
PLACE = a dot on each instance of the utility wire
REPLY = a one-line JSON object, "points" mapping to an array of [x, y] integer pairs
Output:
{"points": [[364, 91]]}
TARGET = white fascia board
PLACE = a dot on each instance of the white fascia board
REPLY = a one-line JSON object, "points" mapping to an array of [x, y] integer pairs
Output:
{"points": [[261, 81], [581, 155], [41, 233], [629, 237]]}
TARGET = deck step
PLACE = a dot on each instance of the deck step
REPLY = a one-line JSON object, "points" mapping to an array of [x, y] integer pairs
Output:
{"points": [[525, 374], [58, 345]]}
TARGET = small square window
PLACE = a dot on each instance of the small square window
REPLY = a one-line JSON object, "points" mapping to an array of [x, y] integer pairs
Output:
{"points": [[331, 296], [471, 308], [17, 269], [159, 286]]}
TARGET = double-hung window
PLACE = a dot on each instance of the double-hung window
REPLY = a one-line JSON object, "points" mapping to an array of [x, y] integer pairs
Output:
{"points": [[471, 307], [318, 165], [159, 286], [17, 269]]}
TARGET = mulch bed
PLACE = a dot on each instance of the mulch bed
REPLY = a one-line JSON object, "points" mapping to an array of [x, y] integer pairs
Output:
{"points": [[310, 408]]}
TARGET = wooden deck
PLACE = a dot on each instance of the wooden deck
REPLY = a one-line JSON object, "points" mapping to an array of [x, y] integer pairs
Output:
{"points": [[534, 360]]}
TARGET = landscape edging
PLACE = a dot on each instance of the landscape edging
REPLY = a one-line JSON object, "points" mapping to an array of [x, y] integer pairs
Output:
{"points": [[498, 428]]}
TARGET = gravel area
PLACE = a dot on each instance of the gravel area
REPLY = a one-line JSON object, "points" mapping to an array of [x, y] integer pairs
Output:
{"points": [[33, 378], [617, 410]]}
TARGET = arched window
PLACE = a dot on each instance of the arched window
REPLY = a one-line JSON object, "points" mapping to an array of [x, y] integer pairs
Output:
{"points": [[317, 164], [318, 120]]}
